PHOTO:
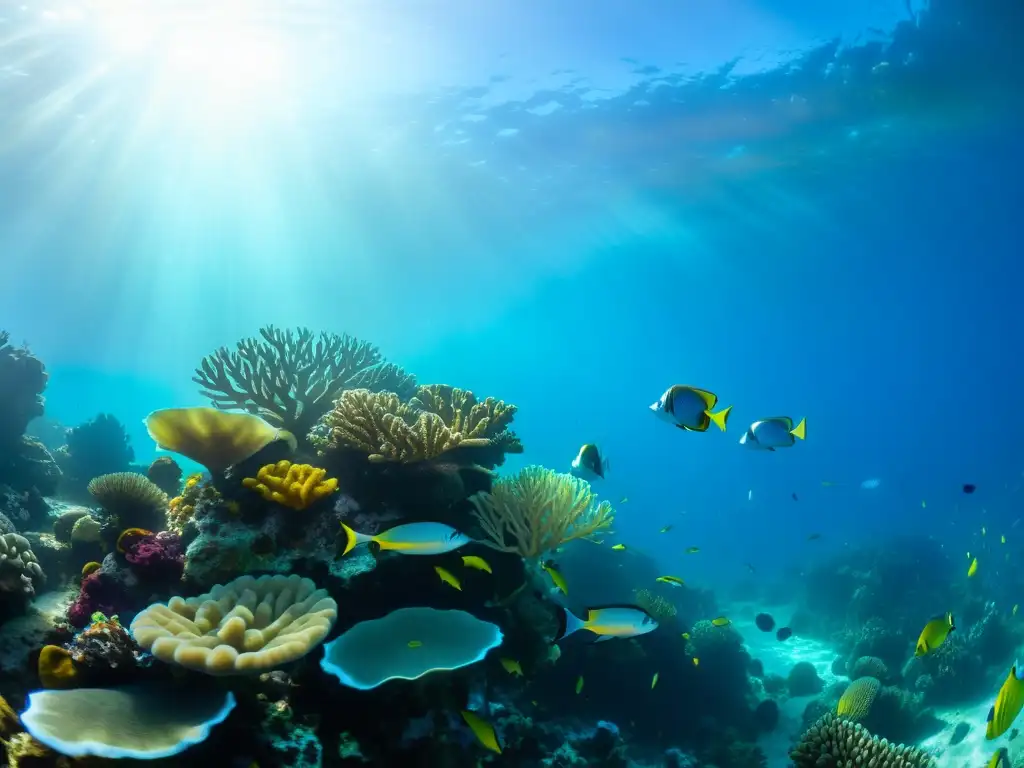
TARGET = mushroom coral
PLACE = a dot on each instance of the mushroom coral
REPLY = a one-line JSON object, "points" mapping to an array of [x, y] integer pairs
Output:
{"points": [[248, 625]]}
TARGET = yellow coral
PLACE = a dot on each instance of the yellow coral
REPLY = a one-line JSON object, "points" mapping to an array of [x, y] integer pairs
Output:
{"points": [[130, 533], [90, 567], [247, 625], [856, 701], [536, 510], [292, 485], [56, 667], [182, 508]]}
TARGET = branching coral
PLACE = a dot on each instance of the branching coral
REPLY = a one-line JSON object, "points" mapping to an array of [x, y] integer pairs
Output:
{"points": [[133, 499], [463, 413], [537, 510], [832, 742], [292, 485], [20, 572], [292, 377], [247, 625]]}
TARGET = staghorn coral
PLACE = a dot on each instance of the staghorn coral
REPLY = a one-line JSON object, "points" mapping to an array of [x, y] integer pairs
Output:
{"points": [[291, 485], [247, 625], [833, 742], [20, 572], [292, 377], [463, 413], [56, 668], [132, 499], [537, 510], [656, 605], [856, 701]]}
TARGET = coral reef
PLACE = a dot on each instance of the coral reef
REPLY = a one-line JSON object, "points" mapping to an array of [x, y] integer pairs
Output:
{"points": [[296, 486], [98, 447], [833, 742], [20, 573], [131, 500]]}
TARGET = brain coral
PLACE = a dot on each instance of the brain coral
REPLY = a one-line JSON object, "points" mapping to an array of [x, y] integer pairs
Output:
{"points": [[832, 742], [20, 572], [856, 701], [247, 625]]}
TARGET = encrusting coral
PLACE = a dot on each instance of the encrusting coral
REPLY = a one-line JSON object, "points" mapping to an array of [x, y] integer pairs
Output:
{"points": [[833, 742], [537, 510], [292, 377], [292, 485], [247, 625]]}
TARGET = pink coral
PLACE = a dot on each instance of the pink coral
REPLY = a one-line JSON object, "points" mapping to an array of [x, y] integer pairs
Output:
{"points": [[99, 592], [157, 557]]}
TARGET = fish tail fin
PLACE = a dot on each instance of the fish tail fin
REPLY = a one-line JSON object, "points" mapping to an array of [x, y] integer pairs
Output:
{"points": [[352, 539], [288, 437], [568, 623], [719, 419], [800, 430]]}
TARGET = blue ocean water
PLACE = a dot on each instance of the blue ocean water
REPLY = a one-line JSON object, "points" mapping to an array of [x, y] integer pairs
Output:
{"points": [[809, 211]]}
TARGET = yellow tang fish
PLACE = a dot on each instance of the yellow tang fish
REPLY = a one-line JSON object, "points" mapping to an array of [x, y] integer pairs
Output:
{"points": [[696, 661], [675, 581], [721, 621], [410, 539], [556, 577], [692, 550], [934, 634], [1009, 702], [654, 681], [973, 569], [483, 730], [447, 578], [579, 684], [472, 561], [619, 547], [1001, 759], [511, 666], [415, 643]]}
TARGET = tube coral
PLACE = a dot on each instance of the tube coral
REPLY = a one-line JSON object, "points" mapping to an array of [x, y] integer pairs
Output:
{"points": [[292, 485], [536, 510]]}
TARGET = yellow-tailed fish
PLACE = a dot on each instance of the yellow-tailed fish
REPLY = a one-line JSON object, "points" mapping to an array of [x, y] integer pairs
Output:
{"points": [[410, 539], [696, 661], [483, 730], [666, 529], [619, 547], [608, 621], [675, 581], [511, 666], [654, 681], [447, 578], [1014, 611], [690, 409], [415, 643], [1009, 702], [556, 577], [1001, 759], [774, 432], [721, 621], [934, 634], [589, 464], [692, 550], [973, 569], [579, 684], [478, 563]]}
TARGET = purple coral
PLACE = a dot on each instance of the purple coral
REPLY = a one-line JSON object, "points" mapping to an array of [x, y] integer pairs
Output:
{"points": [[157, 557], [100, 592]]}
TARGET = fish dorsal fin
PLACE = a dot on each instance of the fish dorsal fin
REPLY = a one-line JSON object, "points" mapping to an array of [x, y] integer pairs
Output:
{"points": [[709, 398]]}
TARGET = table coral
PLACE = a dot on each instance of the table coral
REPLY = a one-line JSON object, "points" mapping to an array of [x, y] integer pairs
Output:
{"points": [[247, 625], [292, 377], [297, 486]]}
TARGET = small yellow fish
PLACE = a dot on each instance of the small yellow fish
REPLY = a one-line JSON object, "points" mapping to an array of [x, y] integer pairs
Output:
{"points": [[1014, 611], [696, 661], [415, 643], [686, 635], [472, 561], [511, 666], [447, 578], [675, 581], [556, 577], [654, 681], [483, 730], [692, 550], [1009, 702], [666, 529], [721, 621], [579, 684], [1001, 759], [973, 569], [934, 634], [619, 547]]}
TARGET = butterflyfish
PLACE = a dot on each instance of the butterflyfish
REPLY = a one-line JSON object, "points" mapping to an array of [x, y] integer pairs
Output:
{"points": [[511, 666], [973, 569], [556, 577], [579, 684], [721, 621], [483, 730], [478, 563], [690, 409], [1008, 704], [448, 578], [675, 581], [774, 432], [934, 634], [410, 539], [589, 465], [608, 621], [1001, 759]]}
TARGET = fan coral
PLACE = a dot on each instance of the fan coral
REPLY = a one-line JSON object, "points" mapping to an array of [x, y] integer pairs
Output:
{"points": [[292, 377], [656, 605], [833, 742], [131, 498], [20, 572], [537, 510], [292, 485], [856, 701], [166, 475], [247, 625]]}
